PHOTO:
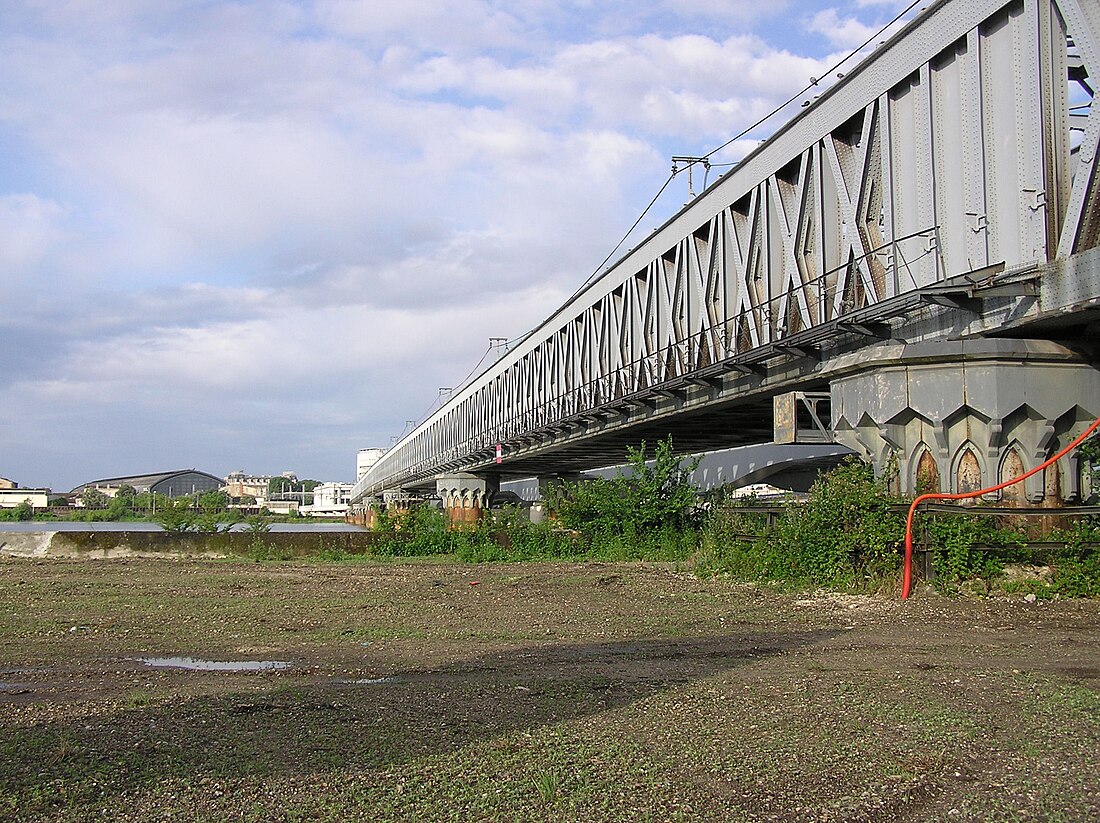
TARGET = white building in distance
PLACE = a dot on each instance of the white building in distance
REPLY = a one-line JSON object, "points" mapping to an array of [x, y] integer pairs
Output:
{"points": [[12, 498], [329, 500], [364, 459]]}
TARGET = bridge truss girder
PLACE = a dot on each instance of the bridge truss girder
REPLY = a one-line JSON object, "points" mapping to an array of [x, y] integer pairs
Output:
{"points": [[967, 143]]}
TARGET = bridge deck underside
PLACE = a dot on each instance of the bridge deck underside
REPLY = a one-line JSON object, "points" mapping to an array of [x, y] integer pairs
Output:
{"points": [[706, 429]]}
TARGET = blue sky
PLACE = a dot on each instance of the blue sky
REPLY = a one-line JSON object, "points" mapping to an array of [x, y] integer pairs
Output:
{"points": [[261, 235]]}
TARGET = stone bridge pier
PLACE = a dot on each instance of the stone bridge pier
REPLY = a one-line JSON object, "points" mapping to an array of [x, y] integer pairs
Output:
{"points": [[466, 496], [964, 415], [395, 503]]}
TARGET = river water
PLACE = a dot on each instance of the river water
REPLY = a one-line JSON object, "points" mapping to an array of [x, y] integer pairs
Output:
{"points": [[74, 526]]}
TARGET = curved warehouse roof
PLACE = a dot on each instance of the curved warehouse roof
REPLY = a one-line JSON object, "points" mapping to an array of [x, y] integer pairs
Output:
{"points": [[172, 483]]}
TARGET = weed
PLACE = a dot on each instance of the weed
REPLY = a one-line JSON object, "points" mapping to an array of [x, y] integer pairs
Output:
{"points": [[138, 698], [261, 551], [328, 552], [955, 559], [1077, 569], [333, 554], [547, 785], [66, 747], [1073, 571], [257, 524]]}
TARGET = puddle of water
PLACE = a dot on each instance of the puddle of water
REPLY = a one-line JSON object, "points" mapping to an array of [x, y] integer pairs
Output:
{"points": [[194, 664]]}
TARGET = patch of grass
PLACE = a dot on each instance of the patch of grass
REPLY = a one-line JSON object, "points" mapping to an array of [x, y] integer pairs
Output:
{"points": [[1066, 700], [385, 633], [546, 784], [551, 692], [138, 698]]}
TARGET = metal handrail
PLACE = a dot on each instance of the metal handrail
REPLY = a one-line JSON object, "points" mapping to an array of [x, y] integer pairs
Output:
{"points": [[766, 324]]}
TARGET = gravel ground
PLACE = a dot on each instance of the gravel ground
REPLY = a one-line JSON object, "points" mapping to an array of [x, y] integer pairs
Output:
{"points": [[428, 691]]}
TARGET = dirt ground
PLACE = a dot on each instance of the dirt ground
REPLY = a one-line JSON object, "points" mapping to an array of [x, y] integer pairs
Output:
{"points": [[532, 692]]}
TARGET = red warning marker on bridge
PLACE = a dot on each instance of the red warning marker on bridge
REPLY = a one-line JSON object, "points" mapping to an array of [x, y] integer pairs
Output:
{"points": [[500, 453]]}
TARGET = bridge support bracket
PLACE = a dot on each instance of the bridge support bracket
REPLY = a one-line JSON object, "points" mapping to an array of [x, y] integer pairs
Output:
{"points": [[881, 331]]}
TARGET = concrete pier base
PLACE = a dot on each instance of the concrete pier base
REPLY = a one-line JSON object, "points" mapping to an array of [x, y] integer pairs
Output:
{"points": [[365, 516], [466, 497], [966, 415]]}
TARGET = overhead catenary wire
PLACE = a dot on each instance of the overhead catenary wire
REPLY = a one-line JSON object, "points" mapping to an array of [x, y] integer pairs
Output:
{"points": [[815, 81], [706, 157], [461, 385], [600, 269]]}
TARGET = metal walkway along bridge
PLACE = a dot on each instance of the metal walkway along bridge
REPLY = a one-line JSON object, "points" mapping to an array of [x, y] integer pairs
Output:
{"points": [[914, 258]]}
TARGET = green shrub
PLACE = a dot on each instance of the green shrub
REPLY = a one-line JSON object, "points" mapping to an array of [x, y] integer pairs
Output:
{"points": [[176, 516], [1077, 576], [1076, 570], [257, 524], [650, 496], [24, 511], [952, 539], [844, 535], [421, 531], [733, 541]]}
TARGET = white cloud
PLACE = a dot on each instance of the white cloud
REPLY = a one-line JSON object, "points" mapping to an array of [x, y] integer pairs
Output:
{"points": [[740, 10], [29, 227], [841, 32], [432, 25], [257, 218], [687, 85]]}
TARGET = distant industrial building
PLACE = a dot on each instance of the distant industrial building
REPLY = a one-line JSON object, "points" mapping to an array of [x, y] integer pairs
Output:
{"points": [[12, 496], [170, 484], [7, 484]]}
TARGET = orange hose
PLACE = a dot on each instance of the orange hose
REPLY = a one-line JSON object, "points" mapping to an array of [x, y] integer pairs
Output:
{"points": [[908, 573]]}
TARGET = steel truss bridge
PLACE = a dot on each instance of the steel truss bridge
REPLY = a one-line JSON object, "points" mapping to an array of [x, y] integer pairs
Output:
{"points": [[941, 193]]}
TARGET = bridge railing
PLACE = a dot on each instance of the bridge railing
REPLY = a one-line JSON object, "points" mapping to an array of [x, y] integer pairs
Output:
{"points": [[747, 335], [960, 121]]}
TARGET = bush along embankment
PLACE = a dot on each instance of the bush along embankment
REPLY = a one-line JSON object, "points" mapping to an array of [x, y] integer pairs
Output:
{"points": [[646, 512], [980, 553], [846, 535]]}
